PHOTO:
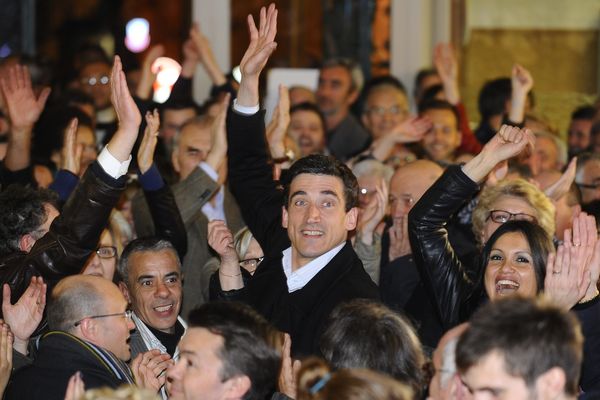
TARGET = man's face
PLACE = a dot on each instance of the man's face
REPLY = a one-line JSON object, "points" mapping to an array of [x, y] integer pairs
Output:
{"points": [[488, 380], [544, 157], [94, 79], [579, 135], [590, 176], [113, 332], [442, 140], [194, 145], [196, 375], [334, 93], [385, 109], [316, 218], [154, 288], [307, 130], [408, 185], [173, 120]]}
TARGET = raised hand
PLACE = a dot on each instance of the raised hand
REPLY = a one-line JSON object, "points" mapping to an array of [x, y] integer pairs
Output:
{"points": [[507, 143], [25, 315], [127, 113], [447, 68], [71, 151], [411, 130], [563, 184], [585, 241], [399, 242], [262, 44], [289, 370], [75, 387], [220, 239], [23, 107], [6, 353], [198, 49], [217, 155], [145, 156], [149, 369], [521, 80], [277, 128], [566, 279], [373, 213], [148, 76]]}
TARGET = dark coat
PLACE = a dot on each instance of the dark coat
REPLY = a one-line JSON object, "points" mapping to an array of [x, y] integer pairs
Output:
{"points": [[59, 357], [302, 313]]}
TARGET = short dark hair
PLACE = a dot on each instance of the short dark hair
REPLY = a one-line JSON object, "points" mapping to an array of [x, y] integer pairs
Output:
{"points": [[365, 334], [540, 244], [357, 79], [311, 107], [318, 164], [422, 74], [22, 212], [250, 344], [584, 112], [493, 97], [139, 245], [384, 80], [532, 336], [436, 104]]}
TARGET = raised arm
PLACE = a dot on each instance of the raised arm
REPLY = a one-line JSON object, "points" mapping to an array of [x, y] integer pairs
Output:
{"points": [[521, 82]]}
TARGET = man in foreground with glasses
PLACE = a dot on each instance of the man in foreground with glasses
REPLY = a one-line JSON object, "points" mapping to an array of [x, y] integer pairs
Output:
{"points": [[89, 330]]}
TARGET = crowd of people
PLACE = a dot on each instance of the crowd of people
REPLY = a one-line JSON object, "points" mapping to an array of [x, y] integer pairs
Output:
{"points": [[345, 249]]}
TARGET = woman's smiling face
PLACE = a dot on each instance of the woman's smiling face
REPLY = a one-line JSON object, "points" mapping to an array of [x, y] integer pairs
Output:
{"points": [[510, 268]]}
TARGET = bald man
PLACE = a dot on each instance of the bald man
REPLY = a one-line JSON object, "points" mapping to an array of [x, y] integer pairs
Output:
{"points": [[89, 329], [446, 383]]}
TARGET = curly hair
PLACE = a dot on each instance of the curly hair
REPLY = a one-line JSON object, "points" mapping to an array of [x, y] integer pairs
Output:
{"points": [[518, 188], [22, 211]]}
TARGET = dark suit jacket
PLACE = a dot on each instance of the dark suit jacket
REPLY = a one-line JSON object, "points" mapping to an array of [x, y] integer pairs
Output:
{"points": [[59, 357], [302, 313], [190, 195]]}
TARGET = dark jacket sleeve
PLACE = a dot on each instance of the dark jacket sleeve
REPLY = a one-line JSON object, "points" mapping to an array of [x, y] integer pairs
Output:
{"points": [[22, 177], [432, 251], [72, 236], [251, 180], [589, 316]]}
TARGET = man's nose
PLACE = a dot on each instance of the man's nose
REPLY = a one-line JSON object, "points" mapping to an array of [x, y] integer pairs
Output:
{"points": [[314, 214]]}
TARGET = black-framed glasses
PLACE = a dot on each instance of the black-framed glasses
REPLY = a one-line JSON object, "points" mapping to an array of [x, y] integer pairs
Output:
{"points": [[501, 216], [106, 251], [251, 263], [93, 80], [127, 314]]}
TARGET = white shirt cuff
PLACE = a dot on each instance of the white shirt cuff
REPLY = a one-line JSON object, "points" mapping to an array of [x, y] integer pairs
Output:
{"points": [[245, 110], [111, 165], [209, 171]]}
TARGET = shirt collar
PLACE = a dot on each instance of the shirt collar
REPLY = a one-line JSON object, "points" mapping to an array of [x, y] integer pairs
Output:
{"points": [[298, 279]]}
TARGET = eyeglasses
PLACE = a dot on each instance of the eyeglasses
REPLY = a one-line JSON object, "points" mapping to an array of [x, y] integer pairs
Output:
{"points": [[501, 216], [251, 263], [93, 81], [127, 314], [393, 110], [106, 251]]}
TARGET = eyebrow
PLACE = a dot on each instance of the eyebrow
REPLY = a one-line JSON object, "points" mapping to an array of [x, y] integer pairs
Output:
{"points": [[325, 192], [170, 274], [191, 148], [187, 352]]}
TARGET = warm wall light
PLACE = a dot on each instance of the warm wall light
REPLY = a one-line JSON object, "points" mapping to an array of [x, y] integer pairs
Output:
{"points": [[167, 72], [137, 35]]}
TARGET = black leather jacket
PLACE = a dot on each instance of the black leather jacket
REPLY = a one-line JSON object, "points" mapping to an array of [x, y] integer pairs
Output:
{"points": [[456, 285], [72, 237]]}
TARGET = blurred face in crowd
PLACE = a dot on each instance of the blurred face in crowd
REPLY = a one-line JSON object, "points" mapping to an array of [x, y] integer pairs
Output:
{"points": [[335, 93], [510, 268], [544, 157], [154, 288], [409, 183], [316, 217], [451, 387], [299, 94], [307, 130], [517, 206], [94, 79], [579, 135], [103, 261], [194, 144], [386, 108], [250, 260], [442, 140], [173, 120], [588, 180], [87, 140]]}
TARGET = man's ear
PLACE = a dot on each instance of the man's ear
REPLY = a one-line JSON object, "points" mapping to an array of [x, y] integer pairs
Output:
{"points": [[26, 242], [88, 329], [551, 384], [284, 217], [364, 119], [352, 96], [237, 387], [351, 219], [125, 291]]}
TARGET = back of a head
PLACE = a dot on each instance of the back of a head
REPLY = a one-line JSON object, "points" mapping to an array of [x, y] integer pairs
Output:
{"points": [[366, 334], [493, 97], [22, 211], [317, 381], [532, 336], [129, 392], [318, 164], [250, 344]]}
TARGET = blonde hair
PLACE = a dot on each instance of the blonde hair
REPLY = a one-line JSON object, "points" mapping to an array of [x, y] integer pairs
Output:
{"points": [[317, 381], [125, 392], [518, 188]]}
